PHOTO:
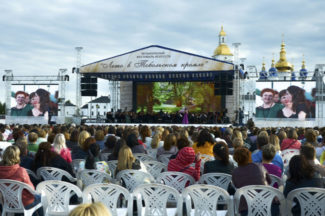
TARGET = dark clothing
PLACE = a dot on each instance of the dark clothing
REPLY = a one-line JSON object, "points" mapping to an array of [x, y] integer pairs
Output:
{"points": [[78, 153], [57, 162], [107, 150], [71, 144], [26, 162], [313, 182], [138, 149], [300, 107], [217, 166], [251, 174], [112, 157]]}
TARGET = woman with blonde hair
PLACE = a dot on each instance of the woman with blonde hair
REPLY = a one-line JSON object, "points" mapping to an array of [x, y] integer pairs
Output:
{"points": [[126, 160], [156, 141], [80, 151], [59, 146], [274, 140], [292, 141], [169, 146], [90, 209]]}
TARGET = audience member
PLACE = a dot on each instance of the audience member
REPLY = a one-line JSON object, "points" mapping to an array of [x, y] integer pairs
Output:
{"points": [[169, 146], [185, 157], [90, 209], [59, 146], [205, 143], [292, 141]]}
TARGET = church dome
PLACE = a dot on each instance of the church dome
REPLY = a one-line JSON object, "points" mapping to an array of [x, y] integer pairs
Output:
{"points": [[283, 65], [222, 49]]}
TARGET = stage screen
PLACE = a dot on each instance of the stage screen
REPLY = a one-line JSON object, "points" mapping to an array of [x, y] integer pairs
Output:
{"points": [[173, 97], [33, 102], [285, 100]]}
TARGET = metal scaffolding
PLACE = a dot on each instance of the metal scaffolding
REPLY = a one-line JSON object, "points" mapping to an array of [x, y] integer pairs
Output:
{"points": [[60, 80]]}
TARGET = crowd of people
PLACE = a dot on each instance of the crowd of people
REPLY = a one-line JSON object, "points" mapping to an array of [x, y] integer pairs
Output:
{"points": [[169, 118], [248, 153]]}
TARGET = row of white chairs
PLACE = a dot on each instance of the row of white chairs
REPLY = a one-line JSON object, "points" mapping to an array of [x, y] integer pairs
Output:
{"points": [[152, 199]]}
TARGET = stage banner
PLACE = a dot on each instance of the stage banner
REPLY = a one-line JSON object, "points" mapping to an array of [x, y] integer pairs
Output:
{"points": [[285, 100], [156, 59]]}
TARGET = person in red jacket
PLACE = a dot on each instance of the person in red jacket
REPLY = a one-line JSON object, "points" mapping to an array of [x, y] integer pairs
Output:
{"points": [[185, 157], [10, 169], [292, 141]]}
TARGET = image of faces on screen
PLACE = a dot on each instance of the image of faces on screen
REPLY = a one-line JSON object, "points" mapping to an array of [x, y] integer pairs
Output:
{"points": [[285, 100], [34, 102]]}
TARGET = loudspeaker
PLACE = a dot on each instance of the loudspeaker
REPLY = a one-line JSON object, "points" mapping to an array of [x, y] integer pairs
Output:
{"points": [[88, 86]]}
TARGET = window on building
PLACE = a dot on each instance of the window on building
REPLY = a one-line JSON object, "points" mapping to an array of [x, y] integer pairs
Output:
{"points": [[92, 113]]}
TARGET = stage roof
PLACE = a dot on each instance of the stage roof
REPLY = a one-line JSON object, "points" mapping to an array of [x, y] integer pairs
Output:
{"points": [[158, 63]]}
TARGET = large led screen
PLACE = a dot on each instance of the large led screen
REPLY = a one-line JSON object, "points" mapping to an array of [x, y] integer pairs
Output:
{"points": [[285, 100], [34, 101], [173, 97]]}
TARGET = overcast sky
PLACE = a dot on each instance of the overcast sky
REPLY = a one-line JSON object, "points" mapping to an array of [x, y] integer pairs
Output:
{"points": [[39, 37]]}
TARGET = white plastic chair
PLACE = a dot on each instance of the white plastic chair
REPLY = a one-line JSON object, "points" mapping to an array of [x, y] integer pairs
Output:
{"points": [[92, 176], [287, 154], [32, 174], [56, 196], [276, 180], [109, 195], [11, 192], [112, 164], [155, 197], [143, 157], [177, 180], [78, 165], [217, 179], [152, 153], [164, 158], [155, 167], [51, 173], [205, 158], [259, 199], [205, 198], [133, 178], [311, 200]]}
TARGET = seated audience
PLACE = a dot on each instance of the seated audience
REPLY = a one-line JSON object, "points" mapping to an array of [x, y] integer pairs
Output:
{"points": [[247, 173], [10, 169], [205, 143], [45, 157], [169, 146], [26, 160], [32, 139], [109, 144], [292, 141], [100, 138], [93, 156], [80, 151], [221, 164], [126, 160], [181, 143], [268, 153], [309, 152], [262, 140], [301, 174], [185, 157], [90, 209], [59, 146], [73, 141], [132, 142], [117, 147]]}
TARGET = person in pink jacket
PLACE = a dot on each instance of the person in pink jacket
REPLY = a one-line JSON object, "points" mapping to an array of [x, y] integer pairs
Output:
{"points": [[10, 169], [59, 146], [185, 157]]}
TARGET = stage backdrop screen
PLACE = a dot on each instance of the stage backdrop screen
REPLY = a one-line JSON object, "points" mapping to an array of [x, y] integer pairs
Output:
{"points": [[285, 100], [33, 102], [173, 97]]}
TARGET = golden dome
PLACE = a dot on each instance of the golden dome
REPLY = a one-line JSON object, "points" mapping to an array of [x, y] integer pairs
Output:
{"points": [[283, 65], [222, 49], [222, 33]]}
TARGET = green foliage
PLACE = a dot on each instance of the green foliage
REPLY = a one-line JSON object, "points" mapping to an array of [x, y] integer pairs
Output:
{"points": [[2, 108]]}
